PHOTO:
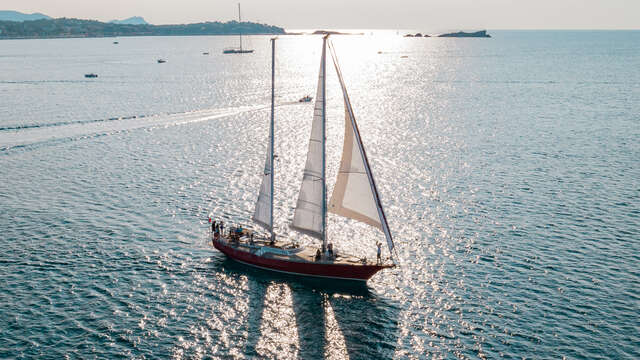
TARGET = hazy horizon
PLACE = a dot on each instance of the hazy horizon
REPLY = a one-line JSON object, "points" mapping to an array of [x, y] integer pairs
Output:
{"points": [[359, 14]]}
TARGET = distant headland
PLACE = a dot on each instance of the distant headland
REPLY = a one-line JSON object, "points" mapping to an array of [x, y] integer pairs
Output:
{"points": [[69, 28], [459, 34], [481, 34]]}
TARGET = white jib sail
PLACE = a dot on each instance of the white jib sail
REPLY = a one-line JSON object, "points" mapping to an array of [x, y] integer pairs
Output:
{"points": [[355, 195], [262, 214], [308, 216]]}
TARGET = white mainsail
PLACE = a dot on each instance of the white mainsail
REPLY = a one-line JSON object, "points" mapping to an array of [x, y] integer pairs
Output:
{"points": [[262, 214], [310, 211], [355, 194]]}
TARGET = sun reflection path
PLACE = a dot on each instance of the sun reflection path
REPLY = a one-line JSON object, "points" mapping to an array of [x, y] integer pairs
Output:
{"points": [[335, 345], [278, 331]]}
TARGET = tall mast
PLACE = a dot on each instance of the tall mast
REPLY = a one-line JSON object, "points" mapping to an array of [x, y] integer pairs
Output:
{"points": [[263, 214], [240, 26], [271, 131], [324, 140]]}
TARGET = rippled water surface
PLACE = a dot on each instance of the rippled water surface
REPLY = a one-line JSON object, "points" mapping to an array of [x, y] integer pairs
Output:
{"points": [[509, 168]]}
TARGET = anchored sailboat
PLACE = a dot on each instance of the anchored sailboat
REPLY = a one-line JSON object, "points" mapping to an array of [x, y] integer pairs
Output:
{"points": [[355, 196], [239, 50]]}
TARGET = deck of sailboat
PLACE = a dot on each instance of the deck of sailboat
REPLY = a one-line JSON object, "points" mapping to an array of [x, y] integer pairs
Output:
{"points": [[286, 251]]}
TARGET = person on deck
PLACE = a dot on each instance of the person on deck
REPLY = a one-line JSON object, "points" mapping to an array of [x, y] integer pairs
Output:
{"points": [[379, 252], [318, 255], [213, 226], [221, 226]]}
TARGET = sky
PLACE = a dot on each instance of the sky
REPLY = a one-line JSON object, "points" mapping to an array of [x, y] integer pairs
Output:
{"points": [[358, 14]]}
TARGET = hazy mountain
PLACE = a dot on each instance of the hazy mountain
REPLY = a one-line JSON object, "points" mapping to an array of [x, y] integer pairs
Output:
{"points": [[10, 15], [134, 20]]}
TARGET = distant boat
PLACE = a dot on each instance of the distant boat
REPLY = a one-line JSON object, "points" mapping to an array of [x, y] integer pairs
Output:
{"points": [[355, 196], [205, 53], [238, 50], [306, 98], [92, 75], [161, 61], [115, 42]]}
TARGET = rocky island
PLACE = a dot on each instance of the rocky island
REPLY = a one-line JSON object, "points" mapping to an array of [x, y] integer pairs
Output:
{"points": [[331, 32], [417, 35], [480, 34]]}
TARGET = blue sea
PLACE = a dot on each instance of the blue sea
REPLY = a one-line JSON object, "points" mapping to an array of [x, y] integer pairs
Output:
{"points": [[509, 169]]}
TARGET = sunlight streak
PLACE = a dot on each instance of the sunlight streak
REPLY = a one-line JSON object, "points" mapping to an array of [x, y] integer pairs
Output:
{"points": [[278, 330], [335, 345]]}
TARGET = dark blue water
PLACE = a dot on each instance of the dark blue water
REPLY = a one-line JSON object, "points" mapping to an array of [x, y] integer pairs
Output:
{"points": [[508, 166]]}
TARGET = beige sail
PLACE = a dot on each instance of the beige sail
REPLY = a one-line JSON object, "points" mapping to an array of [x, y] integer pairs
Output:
{"points": [[355, 194], [352, 195]]}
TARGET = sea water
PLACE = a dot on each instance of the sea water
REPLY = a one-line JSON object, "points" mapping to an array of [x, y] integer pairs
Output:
{"points": [[508, 167]]}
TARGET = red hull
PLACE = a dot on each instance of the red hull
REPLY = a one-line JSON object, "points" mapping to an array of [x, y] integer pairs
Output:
{"points": [[315, 269]]}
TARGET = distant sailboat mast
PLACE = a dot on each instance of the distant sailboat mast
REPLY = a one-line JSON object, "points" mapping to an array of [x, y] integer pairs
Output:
{"points": [[239, 50]]}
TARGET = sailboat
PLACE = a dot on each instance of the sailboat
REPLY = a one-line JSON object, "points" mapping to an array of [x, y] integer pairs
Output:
{"points": [[355, 196], [239, 50]]}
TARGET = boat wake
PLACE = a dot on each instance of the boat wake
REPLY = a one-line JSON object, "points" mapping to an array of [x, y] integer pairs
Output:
{"points": [[13, 137]]}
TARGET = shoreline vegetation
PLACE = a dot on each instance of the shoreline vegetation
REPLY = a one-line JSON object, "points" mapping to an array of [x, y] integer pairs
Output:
{"points": [[79, 28]]}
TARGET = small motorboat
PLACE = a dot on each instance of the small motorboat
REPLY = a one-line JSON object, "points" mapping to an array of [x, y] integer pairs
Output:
{"points": [[307, 98], [92, 75], [205, 53], [161, 61], [115, 42]]}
